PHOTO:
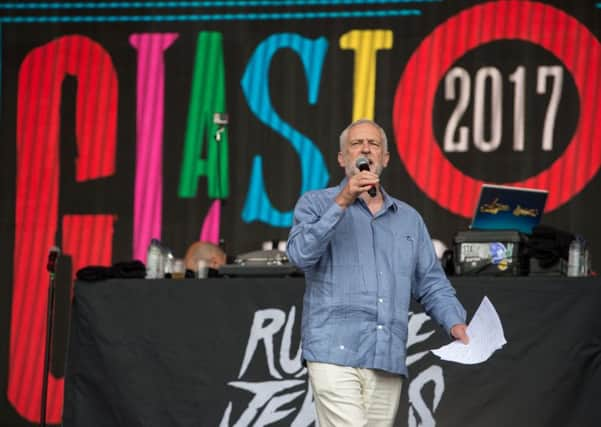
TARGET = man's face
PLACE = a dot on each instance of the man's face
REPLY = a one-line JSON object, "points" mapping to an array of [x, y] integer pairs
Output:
{"points": [[364, 140]]}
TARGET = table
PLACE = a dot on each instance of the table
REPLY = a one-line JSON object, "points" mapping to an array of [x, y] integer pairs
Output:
{"points": [[224, 352]]}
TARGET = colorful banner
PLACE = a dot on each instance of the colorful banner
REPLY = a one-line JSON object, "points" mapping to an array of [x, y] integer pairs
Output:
{"points": [[109, 135]]}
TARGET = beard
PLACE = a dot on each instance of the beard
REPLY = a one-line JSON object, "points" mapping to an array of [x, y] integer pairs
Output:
{"points": [[350, 169]]}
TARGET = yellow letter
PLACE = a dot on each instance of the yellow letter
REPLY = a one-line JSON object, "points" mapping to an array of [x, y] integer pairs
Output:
{"points": [[365, 43]]}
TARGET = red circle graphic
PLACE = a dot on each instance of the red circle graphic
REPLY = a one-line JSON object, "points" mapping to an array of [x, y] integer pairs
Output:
{"points": [[534, 22]]}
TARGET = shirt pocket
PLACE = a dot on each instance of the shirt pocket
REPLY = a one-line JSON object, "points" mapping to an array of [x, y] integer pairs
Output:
{"points": [[404, 253]]}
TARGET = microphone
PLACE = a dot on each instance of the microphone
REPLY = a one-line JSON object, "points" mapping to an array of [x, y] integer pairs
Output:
{"points": [[363, 165], [221, 120], [52, 259]]}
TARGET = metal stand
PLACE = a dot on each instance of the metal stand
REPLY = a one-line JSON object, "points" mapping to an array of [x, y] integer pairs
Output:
{"points": [[49, 332], [221, 120]]}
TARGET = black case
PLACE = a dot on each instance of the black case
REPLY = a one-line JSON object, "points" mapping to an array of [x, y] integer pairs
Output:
{"points": [[489, 253]]}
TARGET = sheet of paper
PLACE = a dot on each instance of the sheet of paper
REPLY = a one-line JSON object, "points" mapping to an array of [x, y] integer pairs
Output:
{"points": [[486, 336]]}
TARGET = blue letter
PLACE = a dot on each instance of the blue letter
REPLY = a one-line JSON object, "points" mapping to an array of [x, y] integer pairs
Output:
{"points": [[255, 85]]}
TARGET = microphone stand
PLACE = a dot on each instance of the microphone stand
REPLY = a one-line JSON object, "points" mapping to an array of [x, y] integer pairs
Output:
{"points": [[218, 133], [51, 267], [221, 120]]}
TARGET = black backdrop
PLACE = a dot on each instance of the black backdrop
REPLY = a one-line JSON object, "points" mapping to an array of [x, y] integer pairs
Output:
{"points": [[188, 353], [48, 190]]}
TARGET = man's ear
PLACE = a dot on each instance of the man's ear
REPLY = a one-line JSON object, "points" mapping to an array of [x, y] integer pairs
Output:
{"points": [[386, 158], [341, 159]]}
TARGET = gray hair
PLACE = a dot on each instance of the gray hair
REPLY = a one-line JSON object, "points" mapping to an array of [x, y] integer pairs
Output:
{"points": [[344, 133]]}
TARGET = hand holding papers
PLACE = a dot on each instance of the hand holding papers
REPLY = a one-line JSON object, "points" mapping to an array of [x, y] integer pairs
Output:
{"points": [[486, 336]]}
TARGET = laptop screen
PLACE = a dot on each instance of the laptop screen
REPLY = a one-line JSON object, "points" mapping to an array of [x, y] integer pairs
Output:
{"points": [[509, 208]]}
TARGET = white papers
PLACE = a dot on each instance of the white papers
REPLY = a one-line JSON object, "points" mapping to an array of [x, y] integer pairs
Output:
{"points": [[486, 336]]}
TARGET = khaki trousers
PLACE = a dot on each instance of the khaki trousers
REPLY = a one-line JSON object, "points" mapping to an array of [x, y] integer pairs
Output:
{"points": [[354, 397]]}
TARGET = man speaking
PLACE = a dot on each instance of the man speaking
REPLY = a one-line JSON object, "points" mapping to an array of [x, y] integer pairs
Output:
{"points": [[364, 254]]}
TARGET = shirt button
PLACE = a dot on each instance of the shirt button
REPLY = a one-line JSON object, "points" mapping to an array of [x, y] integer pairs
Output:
{"points": [[341, 347], [380, 300], [379, 326], [381, 273]]}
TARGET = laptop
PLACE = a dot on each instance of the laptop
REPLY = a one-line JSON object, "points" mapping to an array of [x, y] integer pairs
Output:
{"points": [[509, 208]]}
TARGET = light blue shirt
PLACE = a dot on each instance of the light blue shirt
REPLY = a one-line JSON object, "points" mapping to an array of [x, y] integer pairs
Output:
{"points": [[361, 271]]}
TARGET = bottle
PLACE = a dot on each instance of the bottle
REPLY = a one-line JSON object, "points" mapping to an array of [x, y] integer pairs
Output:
{"points": [[574, 258], [154, 260], [168, 263], [585, 265]]}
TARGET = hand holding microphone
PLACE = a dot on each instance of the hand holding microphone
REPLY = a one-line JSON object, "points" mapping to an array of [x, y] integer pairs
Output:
{"points": [[363, 165], [359, 183]]}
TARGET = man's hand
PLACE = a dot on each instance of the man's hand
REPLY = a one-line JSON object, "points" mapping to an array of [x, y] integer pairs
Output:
{"points": [[356, 185], [459, 333]]}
